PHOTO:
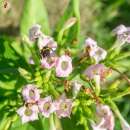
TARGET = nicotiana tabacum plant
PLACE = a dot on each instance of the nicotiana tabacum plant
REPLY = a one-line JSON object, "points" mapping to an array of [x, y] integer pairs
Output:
{"points": [[69, 83]]}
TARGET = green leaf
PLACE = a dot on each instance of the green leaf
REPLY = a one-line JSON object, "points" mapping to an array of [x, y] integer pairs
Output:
{"points": [[72, 33], [69, 23], [41, 124], [34, 12]]}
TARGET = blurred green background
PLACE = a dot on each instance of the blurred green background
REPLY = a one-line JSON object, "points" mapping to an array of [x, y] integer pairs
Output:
{"points": [[98, 18]]}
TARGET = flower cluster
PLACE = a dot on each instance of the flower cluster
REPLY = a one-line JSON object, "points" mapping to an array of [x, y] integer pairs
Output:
{"points": [[85, 81], [47, 47], [34, 104]]}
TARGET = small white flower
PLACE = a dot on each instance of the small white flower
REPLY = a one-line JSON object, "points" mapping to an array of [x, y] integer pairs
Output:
{"points": [[98, 69], [100, 54], [94, 51], [104, 113], [120, 29], [91, 46], [63, 66], [46, 106], [28, 113], [123, 33], [34, 32], [63, 106], [30, 93], [98, 126], [89, 42]]}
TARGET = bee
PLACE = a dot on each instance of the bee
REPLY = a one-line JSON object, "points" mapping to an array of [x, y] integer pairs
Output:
{"points": [[46, 52]]}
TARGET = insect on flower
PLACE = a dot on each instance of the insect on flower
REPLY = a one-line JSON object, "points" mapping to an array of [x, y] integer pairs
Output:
{"points": [[46, 52]]}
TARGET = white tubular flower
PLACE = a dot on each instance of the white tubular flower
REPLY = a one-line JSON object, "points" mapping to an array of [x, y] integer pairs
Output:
{"points": [[98, 126], [30, 93], [34, 32], [91, 46], [28, 113], [95, 52], [120, 29], [123, 33], [64, 66], [99, 55], [46, 106], [63, 106], [104, 113], [89, 42], [98, 69]]}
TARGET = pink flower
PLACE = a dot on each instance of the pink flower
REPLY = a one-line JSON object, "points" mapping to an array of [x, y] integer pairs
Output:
{"points": [[89, 42], [95, 52], [47, 41], [28, 113], [47, 47], [123, 33], [63, 66], [98, 69], [104, 113], [91, 46], [98, 126], [63, 106], [34, 32], [30, 93], [48, 62], [46, 106], [120, 29], [99, 54]]}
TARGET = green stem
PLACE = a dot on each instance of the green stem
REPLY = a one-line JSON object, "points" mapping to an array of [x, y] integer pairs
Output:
{"points": [[121, 94], [52, 124], [122, 75], [34, 54], [122, 56], [97, 84], [77, 15], [58, 123], [53, 90], [118, 114]]}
